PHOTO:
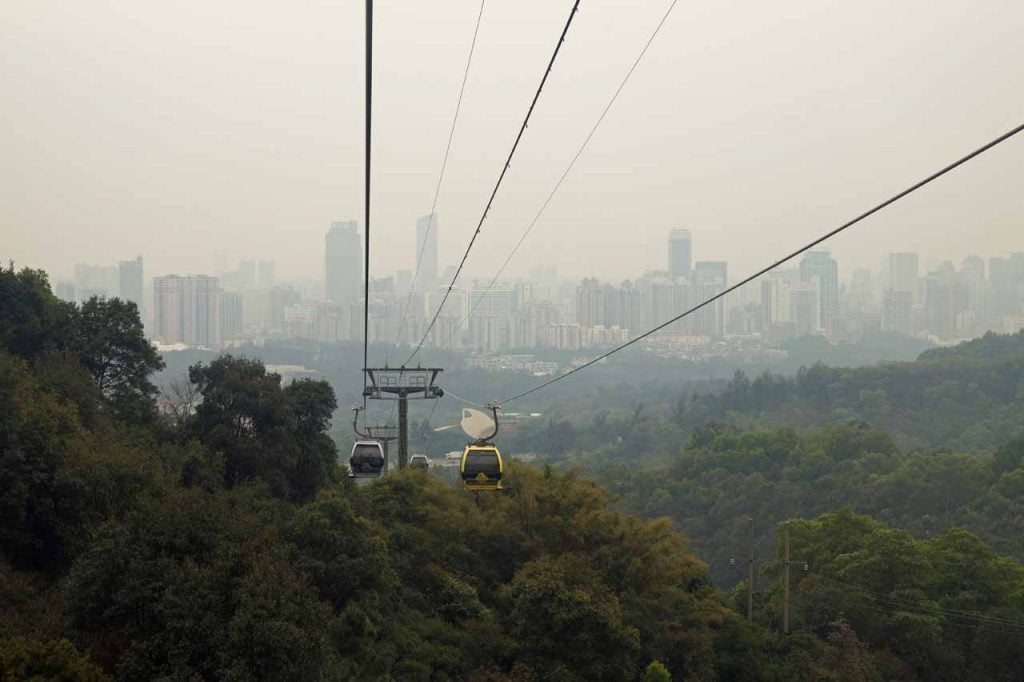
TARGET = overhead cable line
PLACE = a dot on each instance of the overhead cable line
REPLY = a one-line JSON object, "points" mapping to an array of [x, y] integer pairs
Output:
{"points": [[440, 177], [575, 158], [426, 422], [366, 198], [501, 176], [934, 608], [893, 199], [946, 619], [462, 399]]}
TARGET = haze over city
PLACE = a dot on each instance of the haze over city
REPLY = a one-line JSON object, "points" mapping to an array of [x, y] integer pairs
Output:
{"points": [[181, 131]]}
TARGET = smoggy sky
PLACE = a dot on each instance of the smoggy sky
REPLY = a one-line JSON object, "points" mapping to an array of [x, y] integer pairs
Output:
{"points": [[175, 129]]}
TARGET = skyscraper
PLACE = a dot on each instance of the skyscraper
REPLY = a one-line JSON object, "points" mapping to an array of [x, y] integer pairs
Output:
{"points": [[902, 274], [426, 250], [680, 254], [946, 296], [187, 309], [130, 276], [343, 268], [231, 315], [821, 265]]}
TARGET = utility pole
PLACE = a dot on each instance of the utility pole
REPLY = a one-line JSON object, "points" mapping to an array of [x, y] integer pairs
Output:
{"points": [[752, 562], [751, 565], [401, 384], [750, 568], [787, 562], [785, 598]]}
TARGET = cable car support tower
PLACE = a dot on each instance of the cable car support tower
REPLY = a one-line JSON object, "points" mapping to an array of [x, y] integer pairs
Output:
{"points": [[401, 384]]}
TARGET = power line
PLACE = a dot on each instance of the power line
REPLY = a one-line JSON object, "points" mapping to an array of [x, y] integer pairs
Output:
{"points": [[366, 198], [462, 400], [941, 610], [440, 178], [572, 163], [794, 254], [501, 176], [896, 609]]}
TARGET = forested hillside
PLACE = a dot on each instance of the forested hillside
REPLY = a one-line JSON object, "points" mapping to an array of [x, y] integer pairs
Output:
{"points": [[724, 476], [967, 397], [222, 539]]}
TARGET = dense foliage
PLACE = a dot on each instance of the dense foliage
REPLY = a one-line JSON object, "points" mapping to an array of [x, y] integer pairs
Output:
{"points": [[724, 476], [219, 538], [970, 396]]}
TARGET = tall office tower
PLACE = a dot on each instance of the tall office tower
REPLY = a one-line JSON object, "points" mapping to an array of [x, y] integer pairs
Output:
{"points": [[130, 275], [902, 274], [711, 272], [265, 274], [822, 265], [946, 297], [187, 309], [680, 254], [231, 315], [426, 250], [343, 267]]}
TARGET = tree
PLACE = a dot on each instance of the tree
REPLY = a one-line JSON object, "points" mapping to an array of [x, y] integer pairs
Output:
{"points": [[182, 397], [570, 624], [657, 672], [263, 431], [29, 659], [32, 319], [109, 340]]}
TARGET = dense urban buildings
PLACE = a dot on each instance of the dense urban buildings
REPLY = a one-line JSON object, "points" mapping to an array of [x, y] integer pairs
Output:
{"points": [[187, 310], [810, 296]]}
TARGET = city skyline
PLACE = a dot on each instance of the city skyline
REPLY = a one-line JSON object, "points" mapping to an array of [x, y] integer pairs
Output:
{"points": [[808, 296]]}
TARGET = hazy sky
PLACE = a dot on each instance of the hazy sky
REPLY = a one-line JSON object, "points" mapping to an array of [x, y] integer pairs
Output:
{"points": [[174, 129]]}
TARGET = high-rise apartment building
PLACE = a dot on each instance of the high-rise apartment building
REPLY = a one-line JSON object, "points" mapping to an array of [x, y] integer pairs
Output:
{"points": [[130, 281], [680, 254], [187, 309], [343, 268], [775, 300], [902, 274], [426, 250], [231, 324], [821, 265]]}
